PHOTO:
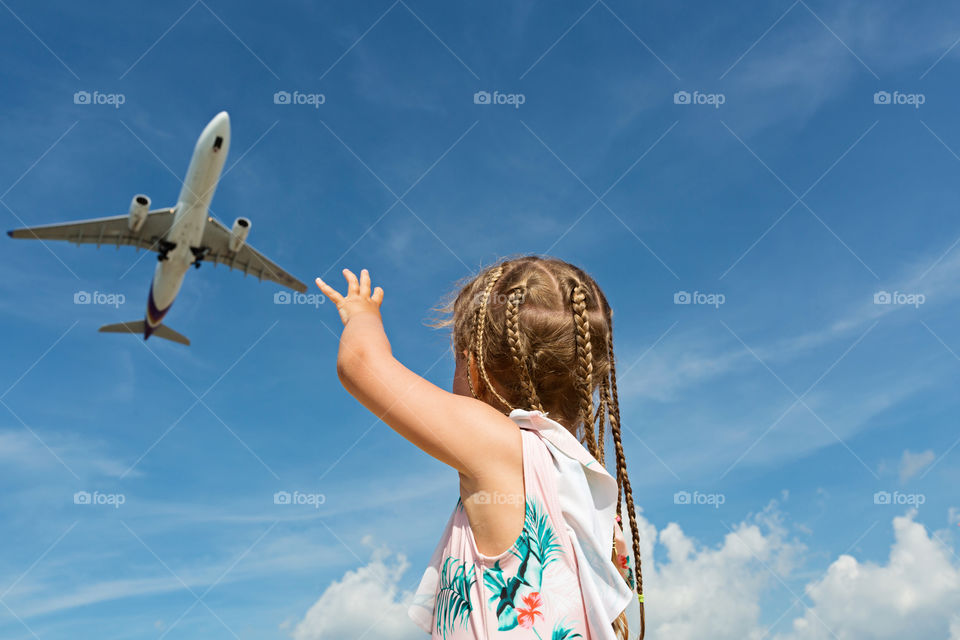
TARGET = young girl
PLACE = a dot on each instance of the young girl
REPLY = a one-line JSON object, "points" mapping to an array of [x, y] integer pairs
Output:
{"points": [[534, 548]]}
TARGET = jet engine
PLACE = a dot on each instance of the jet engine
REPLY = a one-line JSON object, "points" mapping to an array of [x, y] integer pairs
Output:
{"points": [[239, 233], [139, 207]]}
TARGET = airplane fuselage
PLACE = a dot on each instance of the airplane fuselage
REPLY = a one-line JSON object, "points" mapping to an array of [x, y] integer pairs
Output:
{"points": [[185, 237]]}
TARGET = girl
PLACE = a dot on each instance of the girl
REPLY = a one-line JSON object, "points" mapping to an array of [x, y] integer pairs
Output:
{"points": [[527, 551]]}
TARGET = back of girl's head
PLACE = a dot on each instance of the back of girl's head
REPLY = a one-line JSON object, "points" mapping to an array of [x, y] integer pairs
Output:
{"points": [[539, 326], [540, 333]]}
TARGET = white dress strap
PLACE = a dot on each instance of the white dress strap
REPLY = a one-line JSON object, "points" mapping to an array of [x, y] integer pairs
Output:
{"points": [[588, 499]]}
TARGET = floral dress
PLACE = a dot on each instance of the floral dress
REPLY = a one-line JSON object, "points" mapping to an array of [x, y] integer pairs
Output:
{"points": [[535, 588]]}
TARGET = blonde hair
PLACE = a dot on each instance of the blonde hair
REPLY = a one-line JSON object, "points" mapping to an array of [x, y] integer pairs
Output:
{"points": [[543, 330]]}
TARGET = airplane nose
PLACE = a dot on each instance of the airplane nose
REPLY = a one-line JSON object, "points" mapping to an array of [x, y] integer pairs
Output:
{"points": [[222, 121], [216, 134]]}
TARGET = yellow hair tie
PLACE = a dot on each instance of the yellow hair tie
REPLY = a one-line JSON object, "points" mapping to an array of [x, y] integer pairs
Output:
{"points": [[640, 597]]}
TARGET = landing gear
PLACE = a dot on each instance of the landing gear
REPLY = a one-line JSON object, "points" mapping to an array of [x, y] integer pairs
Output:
{"points": [[199, 253], [164, 247]]}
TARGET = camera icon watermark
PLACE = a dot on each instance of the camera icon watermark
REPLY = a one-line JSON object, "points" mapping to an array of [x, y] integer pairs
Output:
{"points": [[899, 298], [295, 297], [297, 498], [486, 97], [897, 498], [697, 297], [696, 498], [96, 498], [98, 297], [95, 97], [696, 97], [296, 97], [911, 99]]}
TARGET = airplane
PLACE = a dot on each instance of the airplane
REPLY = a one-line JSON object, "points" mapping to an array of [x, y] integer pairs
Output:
{"points": [[182, 235]]}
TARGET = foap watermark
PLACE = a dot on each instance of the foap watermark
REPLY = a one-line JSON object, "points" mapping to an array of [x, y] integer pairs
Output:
{"points": [[486, 97], [99, 297], [699, 297], [498, 298], [496, 497], [697, 97], [95, 97], [911, 99], [96, 498], [299, 498], [898, 297], [897, 498], [696, 498], [298, 97], [295, 297]]}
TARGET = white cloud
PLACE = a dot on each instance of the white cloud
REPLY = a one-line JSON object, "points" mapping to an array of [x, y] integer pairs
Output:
{"points": [[694, 591], [715, 592], [718, 592], [913, 463], [916, 594], [366, 602]]}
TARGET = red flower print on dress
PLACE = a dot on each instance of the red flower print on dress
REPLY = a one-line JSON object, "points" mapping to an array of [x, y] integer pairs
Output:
{"points": [[623, 561], [526, 617]]}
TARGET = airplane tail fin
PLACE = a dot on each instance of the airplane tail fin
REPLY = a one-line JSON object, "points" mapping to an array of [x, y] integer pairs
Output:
{"points": [[141, 327]]}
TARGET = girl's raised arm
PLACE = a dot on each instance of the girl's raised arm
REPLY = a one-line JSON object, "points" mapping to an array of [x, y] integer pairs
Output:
{"points": [[463, 432]]}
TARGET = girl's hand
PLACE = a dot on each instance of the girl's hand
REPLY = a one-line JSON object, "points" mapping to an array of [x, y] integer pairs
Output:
{"points": [[358, 299]]}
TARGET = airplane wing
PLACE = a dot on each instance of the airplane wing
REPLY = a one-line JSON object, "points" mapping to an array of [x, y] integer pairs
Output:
{"points": [[216, 238], [99, 231]]}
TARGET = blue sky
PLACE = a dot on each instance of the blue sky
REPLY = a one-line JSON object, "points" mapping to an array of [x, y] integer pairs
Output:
{"points": [[795, 202]]}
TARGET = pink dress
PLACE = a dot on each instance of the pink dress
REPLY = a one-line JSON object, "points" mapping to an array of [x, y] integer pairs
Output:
{"points": [[557, 580]]}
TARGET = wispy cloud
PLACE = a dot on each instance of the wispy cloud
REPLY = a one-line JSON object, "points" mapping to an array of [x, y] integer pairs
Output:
{"points": [[22, 451], [913, 463], [691, 374]]}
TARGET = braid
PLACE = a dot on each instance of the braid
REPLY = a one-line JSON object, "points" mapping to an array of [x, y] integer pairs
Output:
{"points": [[602, 412], [473, 392], [605, 391], [478, 345], [584, 365], [517, 350], [622, 479]]}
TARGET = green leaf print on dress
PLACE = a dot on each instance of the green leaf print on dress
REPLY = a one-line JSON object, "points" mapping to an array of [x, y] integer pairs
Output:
{"points": [[561, 632], [453, 595], [536, 547], [505, 590], [542, 538]]}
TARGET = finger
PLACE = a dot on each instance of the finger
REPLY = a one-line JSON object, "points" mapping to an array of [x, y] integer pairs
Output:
{"points": [[330, 292], [377, 296], [364, 283], [353, 285]]}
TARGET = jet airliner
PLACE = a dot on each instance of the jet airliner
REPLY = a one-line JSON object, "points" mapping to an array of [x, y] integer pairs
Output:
{"points": [[183, 235]]}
